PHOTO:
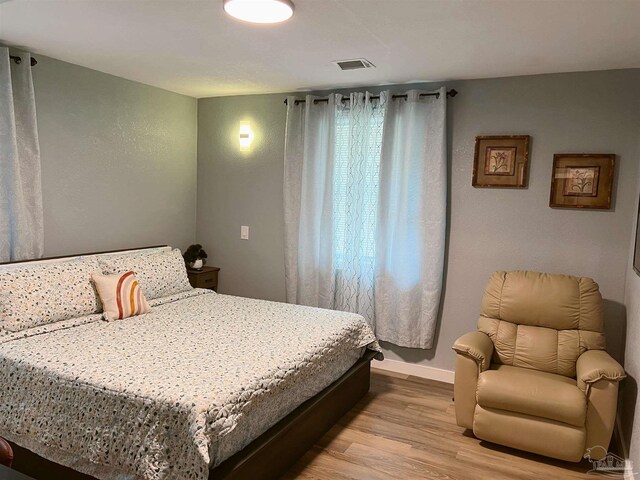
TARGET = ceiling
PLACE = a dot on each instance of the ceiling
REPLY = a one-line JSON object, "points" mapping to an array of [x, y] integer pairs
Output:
{"points": [[192, 47]]}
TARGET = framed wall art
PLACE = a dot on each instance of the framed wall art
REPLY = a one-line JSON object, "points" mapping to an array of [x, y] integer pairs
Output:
{"points": [[582, 180], [501, 161]]}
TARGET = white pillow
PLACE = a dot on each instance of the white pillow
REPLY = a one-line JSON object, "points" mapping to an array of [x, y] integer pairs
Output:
{"points": [[35, 295], [160, 274]]}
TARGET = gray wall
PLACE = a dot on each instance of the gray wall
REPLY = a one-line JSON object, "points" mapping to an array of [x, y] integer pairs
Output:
{"points": [[630, 400], [237, 188], [488, 229], [118, 160]]}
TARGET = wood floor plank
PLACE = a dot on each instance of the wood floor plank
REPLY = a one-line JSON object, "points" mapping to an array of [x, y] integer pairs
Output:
{"points": [[405, 428]]}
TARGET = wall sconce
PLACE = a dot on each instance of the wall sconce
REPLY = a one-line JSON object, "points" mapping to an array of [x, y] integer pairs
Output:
{"points": [[246, 136]]}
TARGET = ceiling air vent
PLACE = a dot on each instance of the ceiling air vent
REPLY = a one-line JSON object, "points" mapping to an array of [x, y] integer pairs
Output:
{"points": [[354, 64]]}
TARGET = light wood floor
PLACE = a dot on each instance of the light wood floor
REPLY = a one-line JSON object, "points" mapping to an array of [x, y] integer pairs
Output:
{"points": [[405, 428]]}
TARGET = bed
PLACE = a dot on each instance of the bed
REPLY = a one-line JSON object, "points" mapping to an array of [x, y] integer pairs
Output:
{"points": [[203, 386]]}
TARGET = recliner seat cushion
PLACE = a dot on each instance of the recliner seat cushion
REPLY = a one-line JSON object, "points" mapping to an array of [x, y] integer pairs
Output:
{"points": [[531, 392]]}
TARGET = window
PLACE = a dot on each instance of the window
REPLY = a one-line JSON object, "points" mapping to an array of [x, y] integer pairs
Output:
{"points": [[357, 149]]}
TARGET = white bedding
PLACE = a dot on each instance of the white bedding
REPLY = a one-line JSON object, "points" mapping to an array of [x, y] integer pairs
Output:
{"points": [[169, 394]]}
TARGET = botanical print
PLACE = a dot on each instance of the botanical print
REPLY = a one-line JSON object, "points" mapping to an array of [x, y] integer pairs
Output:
{"points": [[581, 181], [500, 161]]}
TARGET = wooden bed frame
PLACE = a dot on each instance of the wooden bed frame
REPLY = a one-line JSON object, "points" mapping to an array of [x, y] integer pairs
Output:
{"points": [[269, 455]]}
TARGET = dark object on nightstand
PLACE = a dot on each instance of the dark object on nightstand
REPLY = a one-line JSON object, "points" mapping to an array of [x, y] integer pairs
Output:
{"points": [[205, 278], [6, 453], [194, 254]]}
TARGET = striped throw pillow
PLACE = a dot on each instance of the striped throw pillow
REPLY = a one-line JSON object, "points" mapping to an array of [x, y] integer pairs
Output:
{"points": [[121, 295]]}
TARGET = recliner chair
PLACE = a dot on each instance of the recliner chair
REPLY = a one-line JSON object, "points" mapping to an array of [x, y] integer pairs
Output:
{"points": [[535, 376]]}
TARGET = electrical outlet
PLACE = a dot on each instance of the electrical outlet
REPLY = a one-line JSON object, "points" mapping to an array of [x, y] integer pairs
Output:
{"points": [[244, 232]]}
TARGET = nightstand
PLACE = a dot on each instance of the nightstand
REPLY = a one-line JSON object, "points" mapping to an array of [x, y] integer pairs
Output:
{"points": [[205, 278]]}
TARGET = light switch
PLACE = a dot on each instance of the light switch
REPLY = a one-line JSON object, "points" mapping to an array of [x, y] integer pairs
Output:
{"points": [[244, 232]]}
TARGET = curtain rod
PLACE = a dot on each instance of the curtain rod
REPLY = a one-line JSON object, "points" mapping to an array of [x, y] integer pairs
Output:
{"points": [[451, 93], [18, 60]]}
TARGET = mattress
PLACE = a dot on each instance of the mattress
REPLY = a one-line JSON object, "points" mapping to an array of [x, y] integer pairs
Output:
{"points": [[169, 394]]}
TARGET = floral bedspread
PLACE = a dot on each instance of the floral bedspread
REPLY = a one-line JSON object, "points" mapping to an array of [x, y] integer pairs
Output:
{"points": [[155, 396]]}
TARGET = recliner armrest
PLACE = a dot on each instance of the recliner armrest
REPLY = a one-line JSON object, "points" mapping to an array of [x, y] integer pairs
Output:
{"points": [[594, 365], [476, 345]]}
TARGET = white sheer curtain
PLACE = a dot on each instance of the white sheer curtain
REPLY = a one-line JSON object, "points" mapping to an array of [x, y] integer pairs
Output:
{"points": [[355, 201], [365, 209], [21, 224]]}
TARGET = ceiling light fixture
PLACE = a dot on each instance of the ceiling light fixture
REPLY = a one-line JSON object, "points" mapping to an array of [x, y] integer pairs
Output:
{"points": [[259, 11]]}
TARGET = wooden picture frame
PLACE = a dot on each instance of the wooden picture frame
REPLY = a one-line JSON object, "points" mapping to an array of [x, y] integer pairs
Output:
{"points": [[501, 161], [582, 180]]}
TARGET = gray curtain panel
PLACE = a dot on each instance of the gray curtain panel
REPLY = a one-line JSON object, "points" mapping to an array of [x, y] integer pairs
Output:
{"points": [[365, 209], [411, 220], [21, 224]]}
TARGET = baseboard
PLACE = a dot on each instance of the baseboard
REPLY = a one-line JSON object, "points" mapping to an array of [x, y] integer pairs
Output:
{"points": [[414, 369]]}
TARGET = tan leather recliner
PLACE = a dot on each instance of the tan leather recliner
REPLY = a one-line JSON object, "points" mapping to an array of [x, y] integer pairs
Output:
{"points": [[535, 376]]}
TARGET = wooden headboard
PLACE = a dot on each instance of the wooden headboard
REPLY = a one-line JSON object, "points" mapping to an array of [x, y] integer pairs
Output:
{"points": [[83, 254]]}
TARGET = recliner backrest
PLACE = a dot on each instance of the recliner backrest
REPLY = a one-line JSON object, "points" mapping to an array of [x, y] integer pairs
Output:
{"points": [[542, 321]]}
